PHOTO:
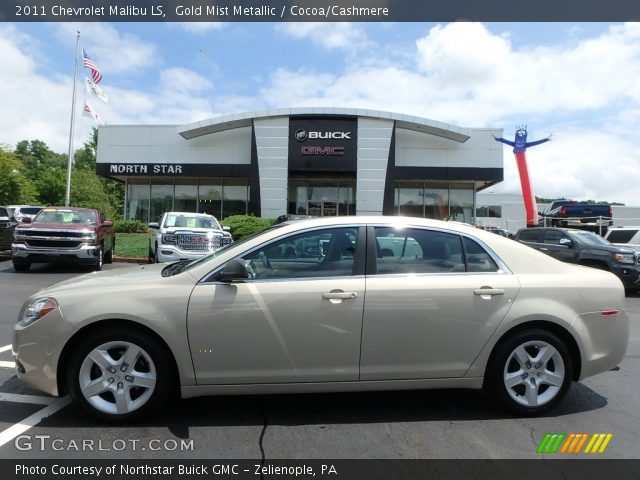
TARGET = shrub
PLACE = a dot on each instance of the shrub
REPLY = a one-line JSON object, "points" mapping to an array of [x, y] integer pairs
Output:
{"points": [[244, 225], [130, 226]]}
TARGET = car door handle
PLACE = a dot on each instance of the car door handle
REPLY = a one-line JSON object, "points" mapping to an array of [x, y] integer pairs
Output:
{"points": [[488, 291], [339, 295]]}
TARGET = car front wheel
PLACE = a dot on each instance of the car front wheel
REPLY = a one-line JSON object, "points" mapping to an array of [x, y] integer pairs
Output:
{"points": [[530, 372], [120, 375]]}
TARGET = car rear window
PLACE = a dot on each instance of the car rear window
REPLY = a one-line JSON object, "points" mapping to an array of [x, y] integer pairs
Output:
{"points": [[30, 210], [621, 236]]}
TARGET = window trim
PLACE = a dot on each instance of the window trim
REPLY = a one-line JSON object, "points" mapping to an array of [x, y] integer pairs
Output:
{"points": [[372, 258], [359, 259]]}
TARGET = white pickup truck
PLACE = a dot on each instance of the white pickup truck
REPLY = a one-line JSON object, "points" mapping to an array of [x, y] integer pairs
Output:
{"points": [[185, 236]]}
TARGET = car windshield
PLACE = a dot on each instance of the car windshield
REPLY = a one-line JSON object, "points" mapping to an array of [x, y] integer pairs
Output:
{"points": [[190, 221], [590, 238], [60, 215]]}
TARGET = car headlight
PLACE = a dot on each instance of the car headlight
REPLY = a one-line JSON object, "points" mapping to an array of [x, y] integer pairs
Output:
{"points": [[89, 236], [36, 310], [169, 238], [625, 258]]}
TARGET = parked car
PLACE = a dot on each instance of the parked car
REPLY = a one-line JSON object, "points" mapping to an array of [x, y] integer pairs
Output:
{"points": [[463, 309], [585, 248], [7, 226], [570, 213], [292, 218], [624, 236], [185, 236], [64, 235], [20, 212]]}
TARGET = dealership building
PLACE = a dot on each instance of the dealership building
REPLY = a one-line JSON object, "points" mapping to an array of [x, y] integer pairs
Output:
{"points": [[308, 161]]}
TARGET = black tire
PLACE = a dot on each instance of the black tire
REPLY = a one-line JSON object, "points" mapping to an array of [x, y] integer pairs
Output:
{"points": [[21, 267], [97, 266], [502, 363], [108, 258], [163, 368], [155, 256], [151, 258]]}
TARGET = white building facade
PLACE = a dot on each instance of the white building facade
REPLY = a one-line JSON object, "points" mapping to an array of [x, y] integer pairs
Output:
{"points": [[309, 161]]}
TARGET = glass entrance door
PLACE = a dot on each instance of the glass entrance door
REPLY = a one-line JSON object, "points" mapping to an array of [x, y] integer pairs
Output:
{"points": [[322, 198]]}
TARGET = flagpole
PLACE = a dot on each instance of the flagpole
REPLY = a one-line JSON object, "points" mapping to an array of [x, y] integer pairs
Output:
{"points": [[67, 196]]}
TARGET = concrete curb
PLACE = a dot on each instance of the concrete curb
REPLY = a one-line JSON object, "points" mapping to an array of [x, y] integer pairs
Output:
{"points": [[119, 259]]}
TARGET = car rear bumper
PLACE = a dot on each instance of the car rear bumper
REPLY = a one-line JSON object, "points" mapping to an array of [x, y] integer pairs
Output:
{"points": [[85, 253]]}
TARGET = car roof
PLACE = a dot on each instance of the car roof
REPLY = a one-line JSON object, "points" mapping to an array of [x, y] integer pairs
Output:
{"points": [[190, 214]]}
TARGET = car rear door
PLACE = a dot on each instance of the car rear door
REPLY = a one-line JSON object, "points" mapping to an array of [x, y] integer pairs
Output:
{"points": [[298, 320], [434, 298]]}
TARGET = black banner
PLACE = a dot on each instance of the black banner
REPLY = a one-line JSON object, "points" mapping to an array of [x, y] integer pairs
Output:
{"points": [[323, 144], [317, 10], [195, 469]]}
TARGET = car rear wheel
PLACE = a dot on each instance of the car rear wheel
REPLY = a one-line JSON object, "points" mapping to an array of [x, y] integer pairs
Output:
{"points": [[530, 372], [21, 267], [120, 375]]}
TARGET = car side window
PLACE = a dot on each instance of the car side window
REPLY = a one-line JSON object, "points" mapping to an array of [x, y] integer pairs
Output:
{"points": [[319, 253], [553, 237], [529, 236], [477, 258], [414, 250]]}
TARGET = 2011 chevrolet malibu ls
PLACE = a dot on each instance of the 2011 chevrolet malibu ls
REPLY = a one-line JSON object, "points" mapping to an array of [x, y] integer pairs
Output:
{"points": [[329, 304]]}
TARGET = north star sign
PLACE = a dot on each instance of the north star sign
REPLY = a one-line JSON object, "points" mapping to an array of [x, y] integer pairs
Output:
{"points": [[145, 169]]}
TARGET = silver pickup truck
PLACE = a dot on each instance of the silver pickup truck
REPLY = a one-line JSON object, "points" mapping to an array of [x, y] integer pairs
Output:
{"points": [[185, 236]]}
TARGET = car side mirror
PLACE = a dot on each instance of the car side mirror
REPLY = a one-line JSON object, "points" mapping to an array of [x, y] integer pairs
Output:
{"points": [[26, 220], [226, 228], [107, 223], [234, 271], [565, 242], [154, 225]]}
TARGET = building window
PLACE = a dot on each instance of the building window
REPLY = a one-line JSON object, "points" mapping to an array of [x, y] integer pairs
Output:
{"points": [[491, 211], [235, 197], [435, 200], [186, 196], [161, 199], [138, 200], [210, 197]]}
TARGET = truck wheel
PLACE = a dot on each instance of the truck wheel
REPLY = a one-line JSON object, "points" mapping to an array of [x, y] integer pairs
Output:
{"points": [[99, 259], [21, 267], [530, 372], [119, 375], [108, 258]]}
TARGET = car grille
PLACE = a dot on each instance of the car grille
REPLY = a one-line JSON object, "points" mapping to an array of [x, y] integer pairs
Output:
{"points": [[197, 242], [54, 243], [51, 233]]}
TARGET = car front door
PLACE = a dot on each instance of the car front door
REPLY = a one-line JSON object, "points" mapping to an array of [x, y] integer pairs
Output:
{"points": [[433, 300], [299, 319]]}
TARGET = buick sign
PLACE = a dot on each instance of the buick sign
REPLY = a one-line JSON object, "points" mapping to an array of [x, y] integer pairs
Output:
{"points": [[301, 135]]}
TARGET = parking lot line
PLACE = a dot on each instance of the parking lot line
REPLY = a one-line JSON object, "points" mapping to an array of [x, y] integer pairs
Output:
{"points": [[7, 364], [5, 348], [18, 398], [19, 428]]}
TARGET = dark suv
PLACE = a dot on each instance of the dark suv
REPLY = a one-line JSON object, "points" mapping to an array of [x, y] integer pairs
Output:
{"points": [[585, 248], [7, 226]]}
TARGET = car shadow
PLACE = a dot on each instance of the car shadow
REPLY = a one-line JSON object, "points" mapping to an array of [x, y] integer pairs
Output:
{"points": [[327, 409]]}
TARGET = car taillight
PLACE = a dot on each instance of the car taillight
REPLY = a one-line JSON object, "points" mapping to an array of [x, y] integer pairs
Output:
{"points": [[563, 212]]}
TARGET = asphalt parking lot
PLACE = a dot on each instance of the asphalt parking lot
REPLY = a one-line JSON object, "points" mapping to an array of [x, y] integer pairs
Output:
{"points": [[400, 425]]}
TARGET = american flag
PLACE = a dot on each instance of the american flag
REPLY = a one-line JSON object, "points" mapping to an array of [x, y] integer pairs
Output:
{"points": [[88, 63]]}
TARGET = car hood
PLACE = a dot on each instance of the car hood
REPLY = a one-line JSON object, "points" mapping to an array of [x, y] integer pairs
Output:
{"points": [[125, 278], [193, 230], [610, 248]]}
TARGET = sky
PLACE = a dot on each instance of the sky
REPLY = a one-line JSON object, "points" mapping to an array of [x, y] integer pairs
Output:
{"points": [[579, 83]]}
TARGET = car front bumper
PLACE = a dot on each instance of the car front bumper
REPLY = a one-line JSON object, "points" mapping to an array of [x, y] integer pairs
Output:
{"points": [[170, 253], [628, 273], [85, 253]]}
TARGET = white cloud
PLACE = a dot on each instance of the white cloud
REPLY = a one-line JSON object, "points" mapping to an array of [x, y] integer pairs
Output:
{"points": [[340, 36], [113, 51]]}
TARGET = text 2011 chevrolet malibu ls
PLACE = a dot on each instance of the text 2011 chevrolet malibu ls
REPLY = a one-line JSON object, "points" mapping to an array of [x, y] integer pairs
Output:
{"points": [[330, 304]]}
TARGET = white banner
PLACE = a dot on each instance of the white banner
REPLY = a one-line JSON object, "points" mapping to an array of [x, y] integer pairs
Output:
{"points": [[91, 113], [95, 90]]}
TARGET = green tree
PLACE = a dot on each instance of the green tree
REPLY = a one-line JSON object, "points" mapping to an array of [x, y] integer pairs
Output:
{"points": [[15, 187]]}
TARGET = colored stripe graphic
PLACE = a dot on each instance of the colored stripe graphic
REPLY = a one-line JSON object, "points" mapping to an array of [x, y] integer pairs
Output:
{"points": [[572, 443], [551, 442]]}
